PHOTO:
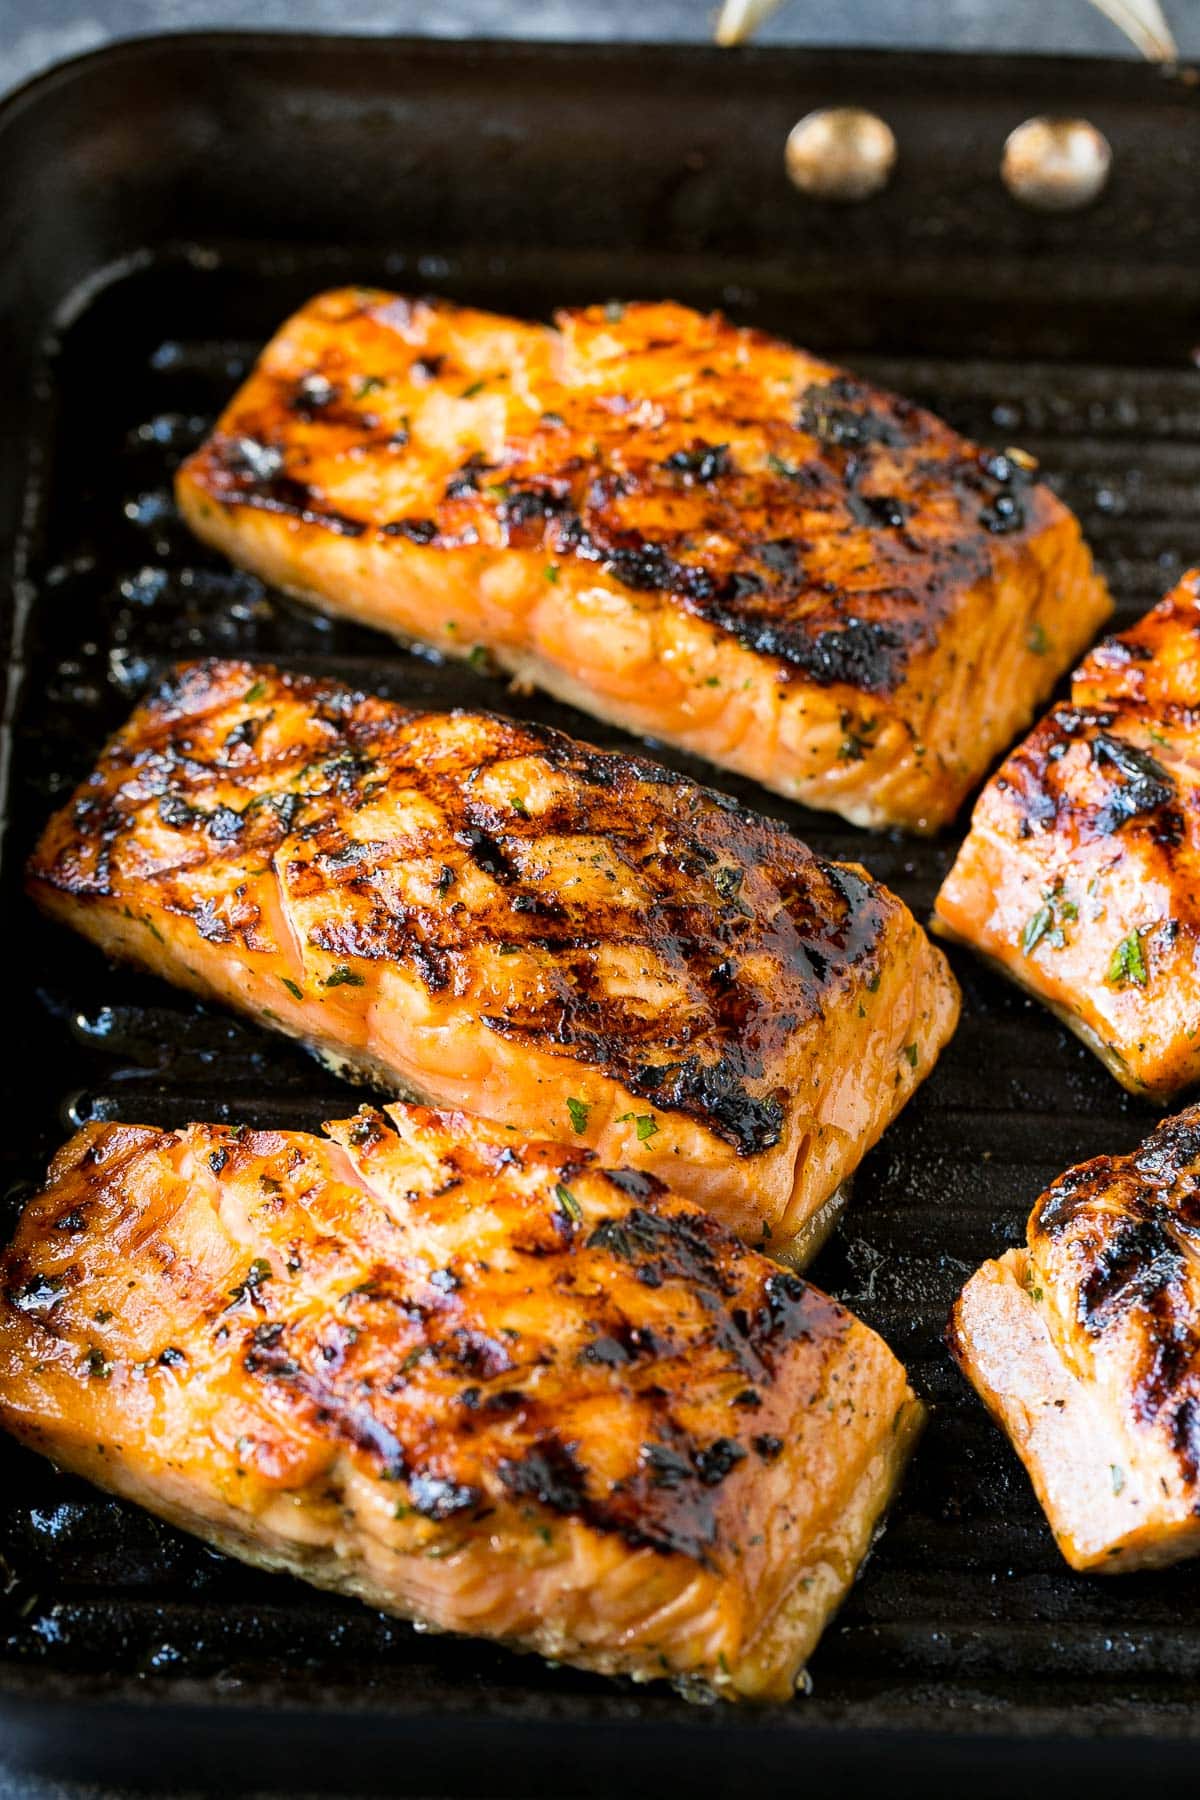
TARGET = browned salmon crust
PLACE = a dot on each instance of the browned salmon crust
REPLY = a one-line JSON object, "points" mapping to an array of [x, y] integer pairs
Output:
{"points": [[692, 530], [482, 1383], [1080, 875], [489, 915], [1085, 1346]]}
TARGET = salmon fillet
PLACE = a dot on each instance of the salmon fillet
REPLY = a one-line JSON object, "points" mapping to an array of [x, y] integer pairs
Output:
{"points": [[691, 530], [1080, 875], [487, 915], [483, 1383], [1083, 1345]]}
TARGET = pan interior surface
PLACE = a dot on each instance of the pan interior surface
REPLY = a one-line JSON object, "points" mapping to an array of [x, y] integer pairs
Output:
{"points": [[965, 1617]]}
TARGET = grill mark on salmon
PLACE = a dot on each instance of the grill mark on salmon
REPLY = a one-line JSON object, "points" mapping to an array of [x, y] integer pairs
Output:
{"points": [[372, 1359], [1085, 1346], [1079, 874], [492, 915], [692, 530]]}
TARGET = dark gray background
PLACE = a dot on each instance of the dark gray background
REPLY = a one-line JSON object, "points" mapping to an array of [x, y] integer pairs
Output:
{"points": [[36, 33]]}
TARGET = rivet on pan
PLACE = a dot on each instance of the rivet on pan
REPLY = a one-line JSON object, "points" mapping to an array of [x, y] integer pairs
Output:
{"points": [[841, 153], [1056, 165]]}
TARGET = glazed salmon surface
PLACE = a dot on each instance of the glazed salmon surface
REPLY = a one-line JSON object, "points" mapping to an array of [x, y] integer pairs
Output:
{"points": [[492, 916], [1080, 875], [484, 1383], [1084, 1347], [692, 530]]}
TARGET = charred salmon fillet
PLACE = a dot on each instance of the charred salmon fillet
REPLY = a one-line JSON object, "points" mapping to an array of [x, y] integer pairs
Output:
{"points": [[483, 1383], [1085, 1346], [486, 915], [691, 530], [1080, 875]]}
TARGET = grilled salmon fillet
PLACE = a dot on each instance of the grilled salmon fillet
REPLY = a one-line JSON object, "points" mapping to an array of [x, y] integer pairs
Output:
{"points": [[1080, 875], [689, 529], [480, 1382], [488, 915], [1085, 1345]]}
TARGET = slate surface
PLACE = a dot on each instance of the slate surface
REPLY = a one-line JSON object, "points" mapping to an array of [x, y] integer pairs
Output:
{"points": [[36, 33]]}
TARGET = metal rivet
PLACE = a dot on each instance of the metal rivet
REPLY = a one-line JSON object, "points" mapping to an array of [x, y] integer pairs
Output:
{"points": [[1056, 165], [841, 153]]}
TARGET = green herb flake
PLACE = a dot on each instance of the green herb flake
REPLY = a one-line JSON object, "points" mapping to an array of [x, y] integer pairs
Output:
{"points": [[292, 987], [508, 949], [1128, 963], [369, 384], [344, 977], [552, 571], [476, 387], [479, 659], [98, 1366], [911, 1051], [646, 1124], [568, 1202], [579, 1110], [402, 1510], [1037, 641], [1036, 928], [256, 692]]}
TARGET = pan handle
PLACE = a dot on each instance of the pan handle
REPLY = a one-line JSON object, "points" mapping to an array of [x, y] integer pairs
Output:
{"points": [[1143, 22]]}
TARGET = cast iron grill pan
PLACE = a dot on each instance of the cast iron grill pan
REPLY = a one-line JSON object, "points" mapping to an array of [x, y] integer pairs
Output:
{"points": [[965, 1619]]}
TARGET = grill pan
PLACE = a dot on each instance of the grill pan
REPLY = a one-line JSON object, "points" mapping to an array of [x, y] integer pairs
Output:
{"points": [[164, 204]]}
